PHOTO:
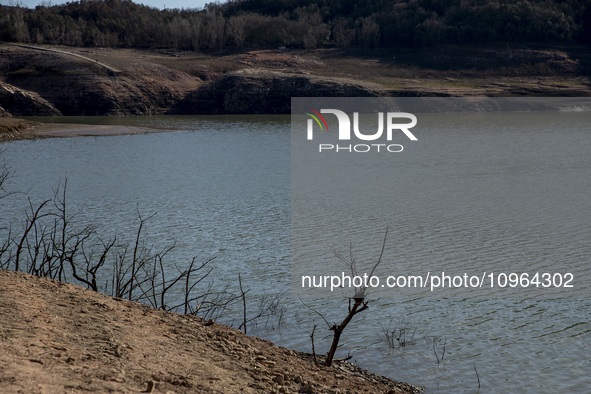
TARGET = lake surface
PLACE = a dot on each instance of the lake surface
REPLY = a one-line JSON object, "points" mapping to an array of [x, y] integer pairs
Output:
{"points": [[220, 187]]}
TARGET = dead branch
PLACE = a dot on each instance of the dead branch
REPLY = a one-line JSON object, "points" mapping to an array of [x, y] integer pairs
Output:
{"points": [[359, 303], [313, 347]]}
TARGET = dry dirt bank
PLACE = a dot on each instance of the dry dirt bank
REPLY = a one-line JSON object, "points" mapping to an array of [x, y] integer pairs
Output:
{"points": [[61, 338], [76, 86]]}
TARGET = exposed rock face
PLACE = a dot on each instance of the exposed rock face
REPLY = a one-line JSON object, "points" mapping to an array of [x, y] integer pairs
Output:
{"points": [[20, 102], [141, 83], [138, 90], [79, 87], [268, 92]]}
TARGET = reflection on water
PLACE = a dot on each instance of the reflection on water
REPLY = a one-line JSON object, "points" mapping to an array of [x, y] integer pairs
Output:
{"points": [[221, 188]]}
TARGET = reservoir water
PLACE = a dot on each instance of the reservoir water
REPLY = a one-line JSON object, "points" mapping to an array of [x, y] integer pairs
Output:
{"points": [[220, 187]]}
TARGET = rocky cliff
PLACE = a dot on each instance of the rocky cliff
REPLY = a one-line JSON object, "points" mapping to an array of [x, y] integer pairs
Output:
{"points": [[259, 91], [20, 102]]}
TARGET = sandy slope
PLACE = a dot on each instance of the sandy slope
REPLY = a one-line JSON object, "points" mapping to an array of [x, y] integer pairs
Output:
{"points": [[61, 338]]}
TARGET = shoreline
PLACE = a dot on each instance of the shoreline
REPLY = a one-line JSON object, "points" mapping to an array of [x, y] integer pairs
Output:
{"points": [[15, 129]]}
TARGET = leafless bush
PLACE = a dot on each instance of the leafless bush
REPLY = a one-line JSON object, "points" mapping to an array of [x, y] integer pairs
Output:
{"points": [[268, 306], [438, 342], [401, 333], [53, 245], [5, 175], [404, 333]]}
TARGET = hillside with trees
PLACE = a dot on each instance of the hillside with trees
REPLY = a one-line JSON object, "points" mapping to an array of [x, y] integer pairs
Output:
{"points": [[308, 24]]}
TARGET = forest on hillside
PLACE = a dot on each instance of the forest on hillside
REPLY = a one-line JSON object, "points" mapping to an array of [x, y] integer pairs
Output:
{"points": [[299, 23]]}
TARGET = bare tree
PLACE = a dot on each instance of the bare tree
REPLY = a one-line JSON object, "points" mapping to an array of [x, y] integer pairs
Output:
{"points": [[268, 305], [53, 245], [67, 243], [237, 30], [316, 32], [92, 264], [184, 33], [21, 30], [342, 33], [195, 32], [5, 176], [368, 32], [216, 28], [140, 255], [357, 302], [31, 220]]}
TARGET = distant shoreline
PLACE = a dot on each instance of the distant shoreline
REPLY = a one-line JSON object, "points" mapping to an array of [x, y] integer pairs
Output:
{"points": [[13, 129], [158, 82]]}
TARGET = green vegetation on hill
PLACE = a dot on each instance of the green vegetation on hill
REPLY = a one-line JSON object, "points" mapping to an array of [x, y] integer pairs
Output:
{"points": [[299, 23]]}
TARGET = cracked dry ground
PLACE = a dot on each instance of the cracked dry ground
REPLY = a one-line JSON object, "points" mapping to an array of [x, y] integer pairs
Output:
{"points": [[60, 338]]}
